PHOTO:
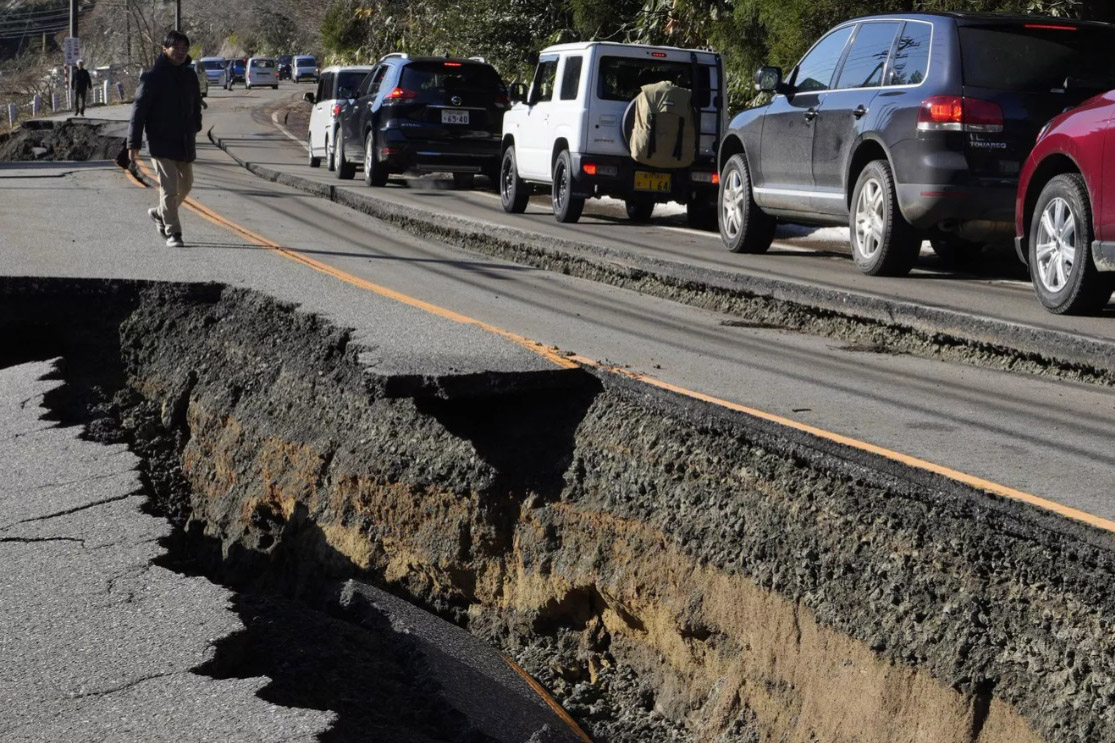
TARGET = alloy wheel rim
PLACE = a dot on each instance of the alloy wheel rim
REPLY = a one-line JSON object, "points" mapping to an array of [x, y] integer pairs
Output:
{"points": [[869, 219], [561, 192], [1056, 245], [733, 204], [506, 180]]}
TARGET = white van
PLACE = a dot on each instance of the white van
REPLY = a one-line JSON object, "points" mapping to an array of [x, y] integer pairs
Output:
{"points": [[334, 86], [214, 70], [261, 71], [304, 67], [571, 129]]}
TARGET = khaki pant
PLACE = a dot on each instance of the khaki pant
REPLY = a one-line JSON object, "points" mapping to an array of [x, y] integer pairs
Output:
{"points": [[176, 178]]}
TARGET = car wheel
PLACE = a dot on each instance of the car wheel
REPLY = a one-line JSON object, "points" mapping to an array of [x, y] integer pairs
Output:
{"points": [[744, 227], [313, 161], [700, 214], [567, 205], [344, 169], [514, 192], [330, 156], [883, 242], [1060, 251], [464, 181], [375, 172], [639, 208], [274, 87]]}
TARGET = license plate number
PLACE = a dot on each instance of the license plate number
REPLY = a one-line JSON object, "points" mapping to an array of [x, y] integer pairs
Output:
{"points": [[645, 181], [454, 117]]}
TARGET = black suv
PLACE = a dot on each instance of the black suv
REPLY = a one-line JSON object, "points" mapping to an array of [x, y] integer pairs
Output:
{"points": [[431, 114], [905, 127]]}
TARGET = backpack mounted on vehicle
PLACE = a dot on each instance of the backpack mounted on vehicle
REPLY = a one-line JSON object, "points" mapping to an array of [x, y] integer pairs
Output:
{"points": [[664, 134]]}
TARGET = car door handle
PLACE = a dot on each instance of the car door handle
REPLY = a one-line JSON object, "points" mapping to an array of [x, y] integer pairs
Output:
{"points": [[810, 115], [859, 111]]}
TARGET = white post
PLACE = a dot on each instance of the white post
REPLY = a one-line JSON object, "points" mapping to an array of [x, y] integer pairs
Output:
{"points": [[13, 113], [69, 100], [36, 104], [104, 94], [54, 102]]}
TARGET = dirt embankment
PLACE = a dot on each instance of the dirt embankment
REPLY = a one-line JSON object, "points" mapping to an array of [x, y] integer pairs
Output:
{"points": [[668, 570], [69, 140]]}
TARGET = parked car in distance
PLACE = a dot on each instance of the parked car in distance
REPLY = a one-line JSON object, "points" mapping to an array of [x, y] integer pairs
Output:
{"points": [[426, 114], [234, 71], [261, 71], [285, 62], [571, 130], [335, 86], [305, 68], [214, 70], [1065, 212], [202, 78], [905, 126]]}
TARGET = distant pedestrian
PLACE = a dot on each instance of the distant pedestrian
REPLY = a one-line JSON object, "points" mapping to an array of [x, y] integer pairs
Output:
{"points": [[82, 85], [168, 108]]}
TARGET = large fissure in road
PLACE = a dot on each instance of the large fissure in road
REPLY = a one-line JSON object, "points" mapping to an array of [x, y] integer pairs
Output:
{"points": [[667, 569]]}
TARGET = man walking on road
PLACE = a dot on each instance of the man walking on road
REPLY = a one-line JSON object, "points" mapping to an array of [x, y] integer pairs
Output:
{"points": [[82, 85], [168, 107]]}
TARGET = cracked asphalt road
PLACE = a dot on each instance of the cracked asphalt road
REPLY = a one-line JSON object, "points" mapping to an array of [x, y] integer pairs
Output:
{"points": [[98, 643]]}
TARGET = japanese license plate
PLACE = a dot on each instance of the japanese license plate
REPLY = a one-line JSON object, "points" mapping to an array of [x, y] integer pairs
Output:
{"points": [[452, 116], [645, 181]]}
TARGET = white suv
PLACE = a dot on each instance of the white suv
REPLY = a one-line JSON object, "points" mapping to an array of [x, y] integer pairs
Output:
{"points": [[571, 130], [335, 86]]}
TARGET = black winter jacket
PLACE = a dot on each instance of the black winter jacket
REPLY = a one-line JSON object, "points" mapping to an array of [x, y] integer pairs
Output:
{"points": [[168, 107], [82, 80]]}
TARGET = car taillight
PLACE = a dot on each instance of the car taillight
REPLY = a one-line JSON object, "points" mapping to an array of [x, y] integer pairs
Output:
{"points": [[398, 95], [954, 113], [502, 101], [336, 109]]}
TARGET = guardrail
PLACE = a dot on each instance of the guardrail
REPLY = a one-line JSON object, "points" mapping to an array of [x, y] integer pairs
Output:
{"points": [[55, 102]]}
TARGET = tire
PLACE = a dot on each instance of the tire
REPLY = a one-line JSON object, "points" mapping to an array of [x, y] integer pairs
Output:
{"points": [[312, 161], [330, 155], [700, 214], [274, 87], [1060, 250], [883, 242], [639, 208], [375, 172], [514, 192], [744, 227], [344, 169], [464, 181], [247, 87], [567, 205]]}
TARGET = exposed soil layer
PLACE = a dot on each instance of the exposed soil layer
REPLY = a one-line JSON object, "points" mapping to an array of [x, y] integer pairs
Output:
{"points": [[71, 139], [669, 570]]}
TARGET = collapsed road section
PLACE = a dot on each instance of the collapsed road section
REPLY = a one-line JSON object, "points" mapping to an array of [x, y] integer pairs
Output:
{"points": [[668, 569]]}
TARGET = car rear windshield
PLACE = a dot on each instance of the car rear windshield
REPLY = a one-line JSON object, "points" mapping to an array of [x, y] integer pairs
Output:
{"points": [[350, 79], [213, 64], [267, 64], [1037, 57], [305, 61], [440, 78], [621, 78]]}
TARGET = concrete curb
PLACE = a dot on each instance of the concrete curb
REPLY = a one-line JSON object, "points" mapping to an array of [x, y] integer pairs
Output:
{"points": [[945, 324]]}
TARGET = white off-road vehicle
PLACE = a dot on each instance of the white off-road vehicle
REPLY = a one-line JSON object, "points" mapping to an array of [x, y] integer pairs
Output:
{"points": [[572, 129]]}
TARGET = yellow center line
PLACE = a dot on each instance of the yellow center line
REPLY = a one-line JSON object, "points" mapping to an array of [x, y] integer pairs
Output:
{"points": [[570, 361]]}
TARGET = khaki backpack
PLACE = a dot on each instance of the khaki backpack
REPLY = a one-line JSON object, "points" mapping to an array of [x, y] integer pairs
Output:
{"points": [[664, 134]]}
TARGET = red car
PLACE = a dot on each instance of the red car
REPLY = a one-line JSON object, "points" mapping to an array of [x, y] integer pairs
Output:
{"points": [[1065, 209]]}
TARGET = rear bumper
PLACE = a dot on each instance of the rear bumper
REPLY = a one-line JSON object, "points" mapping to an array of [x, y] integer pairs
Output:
{"points": [[615, 176], [400, 153], [984, 208]]}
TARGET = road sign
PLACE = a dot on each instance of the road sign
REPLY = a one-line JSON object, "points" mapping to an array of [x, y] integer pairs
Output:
{"points": [[71, 49]]}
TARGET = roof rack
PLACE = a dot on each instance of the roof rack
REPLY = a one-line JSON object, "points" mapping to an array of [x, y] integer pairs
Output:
{"points": [[400, 55], [478, 59]]}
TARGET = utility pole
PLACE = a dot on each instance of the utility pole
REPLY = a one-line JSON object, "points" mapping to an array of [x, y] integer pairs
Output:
{"points": [[73, 35], [177, 15]]}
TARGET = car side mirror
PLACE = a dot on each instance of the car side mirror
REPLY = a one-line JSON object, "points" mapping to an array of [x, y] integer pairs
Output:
{"points": [[517, 93], [309, 98], [769, 79]]}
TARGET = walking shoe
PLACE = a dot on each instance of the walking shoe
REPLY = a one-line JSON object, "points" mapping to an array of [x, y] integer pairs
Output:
{"points": [[175, 241], [159, 224]]}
